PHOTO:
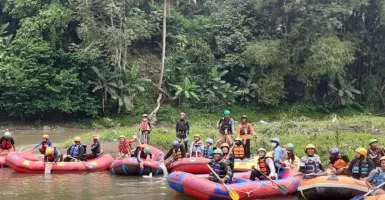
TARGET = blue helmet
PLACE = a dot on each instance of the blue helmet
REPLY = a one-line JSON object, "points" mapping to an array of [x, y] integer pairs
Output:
{"points": [[175, 144], [277, 140], [209, 140], [334, 151]]}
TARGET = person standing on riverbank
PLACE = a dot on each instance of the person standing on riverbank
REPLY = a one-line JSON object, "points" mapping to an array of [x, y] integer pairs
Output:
{"points": [[226, 123], [145, 129], [182, 130], [7, 143], [46, 142], [245, 129]]}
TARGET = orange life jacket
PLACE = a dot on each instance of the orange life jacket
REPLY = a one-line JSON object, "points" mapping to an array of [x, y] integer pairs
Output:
{"points": [[6, 144], [263, 166], [124, 147], [239, 151], [144, 126]]}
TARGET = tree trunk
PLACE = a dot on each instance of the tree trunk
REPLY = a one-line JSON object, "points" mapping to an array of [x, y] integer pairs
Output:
{"points": [[158, 101]]}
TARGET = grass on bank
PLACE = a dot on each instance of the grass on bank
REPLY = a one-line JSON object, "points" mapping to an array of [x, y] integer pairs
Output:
{"points": [[352, 131]]}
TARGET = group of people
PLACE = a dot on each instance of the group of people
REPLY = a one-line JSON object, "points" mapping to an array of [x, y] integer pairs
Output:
{"points": [[76, 152]]}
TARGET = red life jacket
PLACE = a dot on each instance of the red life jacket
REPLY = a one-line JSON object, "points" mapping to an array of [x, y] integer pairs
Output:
{"points": [[124, 147], [6, 144], [144, 126]]}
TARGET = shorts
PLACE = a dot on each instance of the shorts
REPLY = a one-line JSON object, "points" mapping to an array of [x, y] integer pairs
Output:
{"points": [[182, 136]]}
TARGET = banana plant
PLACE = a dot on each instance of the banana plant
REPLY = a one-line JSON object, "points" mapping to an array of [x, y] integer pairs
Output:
{"points": [[345, 91], [248, 88], [186, 89]]}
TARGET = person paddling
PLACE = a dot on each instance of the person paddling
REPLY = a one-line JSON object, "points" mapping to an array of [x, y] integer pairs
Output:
{"points": [[311, 163], [265, 165], [360, 166], [377, 177], [51, 155], [221, 167], [46, 142], [7, 143]]}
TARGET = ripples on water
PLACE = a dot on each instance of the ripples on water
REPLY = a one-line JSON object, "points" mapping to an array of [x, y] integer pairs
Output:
{"points": [[86, 186]]}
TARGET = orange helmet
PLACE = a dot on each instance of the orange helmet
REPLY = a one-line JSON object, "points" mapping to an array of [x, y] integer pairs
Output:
{"points": [[95, 136], [45, 137]]}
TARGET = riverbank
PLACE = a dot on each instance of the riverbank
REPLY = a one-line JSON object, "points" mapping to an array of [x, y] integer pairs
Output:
{"points": [[348, 132]]}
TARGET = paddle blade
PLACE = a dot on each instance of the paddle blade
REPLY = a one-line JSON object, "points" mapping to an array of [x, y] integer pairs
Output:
{"points": [[233, 194], [89, 165], [48, 167], [283, 189]]}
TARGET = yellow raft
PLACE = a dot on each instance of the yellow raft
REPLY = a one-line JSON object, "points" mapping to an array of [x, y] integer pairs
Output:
{"points": [[243, 166]]}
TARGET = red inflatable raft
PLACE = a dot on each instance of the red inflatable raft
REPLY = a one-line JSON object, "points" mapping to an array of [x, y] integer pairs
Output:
{"points": [[130, 166], [28, 154], [193, 165], [20, 164], [201, 188]]}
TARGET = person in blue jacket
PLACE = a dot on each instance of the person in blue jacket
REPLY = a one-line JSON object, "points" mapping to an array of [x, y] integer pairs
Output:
{"points": [[279, 155], [46, 142], [208, 149]]}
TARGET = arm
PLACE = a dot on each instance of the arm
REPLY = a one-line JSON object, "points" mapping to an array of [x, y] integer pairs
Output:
{"points": [[232, 125], [69, 150], [239, 130], [81, 152], [251, 129], [38, 145], [371, 165], [168, 154], [351, 167], [271, 166], [302, 167], [49, 143], [371, 177], [138, 156], [13, 144], [177, 127], [227, 168], [219, 123], [57, 156], [188, 127], [277, 155], [321, 167]]}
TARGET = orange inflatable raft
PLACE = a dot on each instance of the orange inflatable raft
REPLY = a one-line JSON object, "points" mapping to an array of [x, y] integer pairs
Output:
{"points": [[28, 154], [20, 164], [193, 165], [332, 187]]}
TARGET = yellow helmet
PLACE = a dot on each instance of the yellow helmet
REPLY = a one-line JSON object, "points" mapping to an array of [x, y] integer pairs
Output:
{"points": [[77, 139], [310, 146], [122, 136], [45, 137], [382, 158], [197, 135], [362, 151], [48, 151]]}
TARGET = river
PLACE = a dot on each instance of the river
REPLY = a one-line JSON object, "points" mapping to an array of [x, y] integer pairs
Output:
{"points": [[80, 186]]}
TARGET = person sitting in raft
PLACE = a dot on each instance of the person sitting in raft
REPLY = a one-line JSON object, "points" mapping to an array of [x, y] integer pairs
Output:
{"points": [[177, 151], [239, 149], [124, 147], [7, 143], [76, 151], [245, 129], [46, 142], [197, 146], [377, 177], [96, 149], [265, 165], [227, 155], [221, 167], [208, 149], [338, 163], [375, 152], [290, 155], [279, 154], [52, 155], [361, 165], [310, 164]]}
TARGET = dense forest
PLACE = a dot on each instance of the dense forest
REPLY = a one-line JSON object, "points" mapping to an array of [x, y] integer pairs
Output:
{"points": [[87, 58]]}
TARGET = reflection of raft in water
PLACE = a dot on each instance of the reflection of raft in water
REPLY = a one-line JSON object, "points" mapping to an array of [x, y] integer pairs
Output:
{"points": [[23, 165], [130, 166], [332, 187], [193, 165], [201, 188], [243, 166]]}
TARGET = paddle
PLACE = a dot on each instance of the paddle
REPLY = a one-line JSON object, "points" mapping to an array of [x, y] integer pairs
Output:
{"points": [[88, 165], [283, 189], [21, 149], [48, 167], [313, 175], [368, 193], [233, 194]]}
